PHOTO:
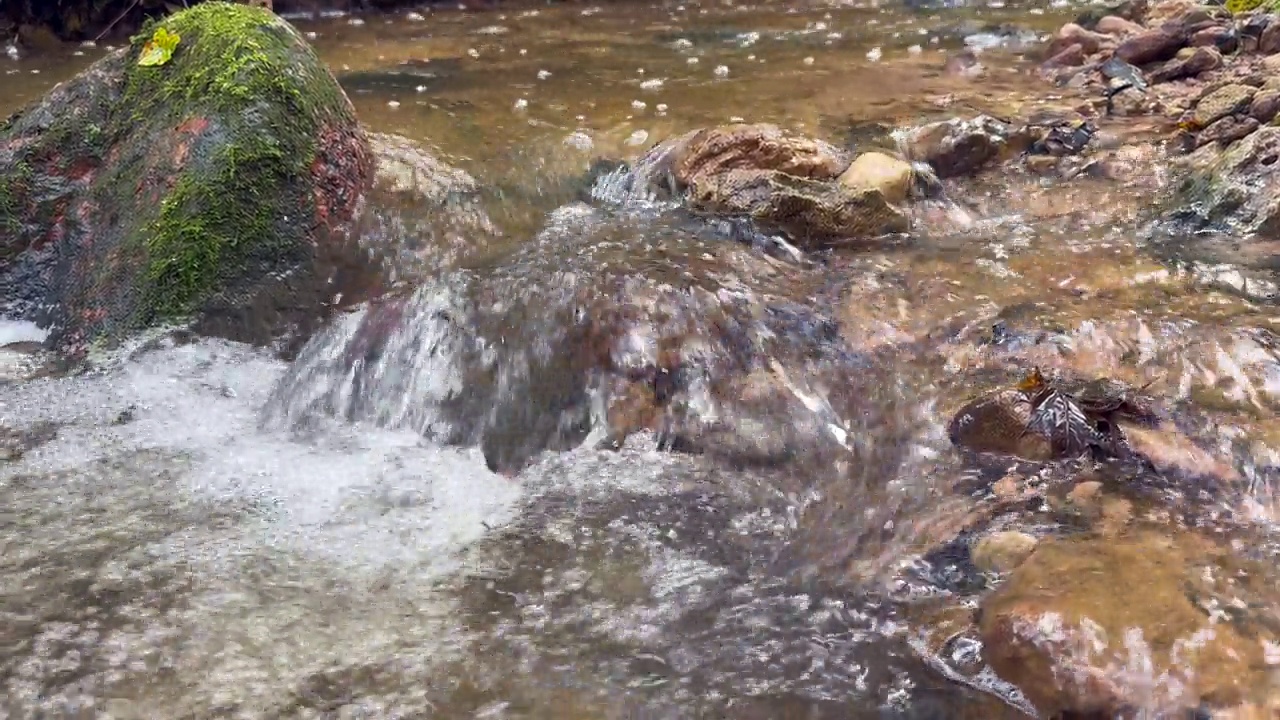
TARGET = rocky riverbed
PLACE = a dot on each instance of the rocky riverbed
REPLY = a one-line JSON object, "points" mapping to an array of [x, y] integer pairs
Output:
{"points": [[827, 362]]}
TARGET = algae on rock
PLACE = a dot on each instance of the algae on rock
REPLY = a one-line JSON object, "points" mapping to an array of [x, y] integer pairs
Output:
{"points": [[214, 186]]}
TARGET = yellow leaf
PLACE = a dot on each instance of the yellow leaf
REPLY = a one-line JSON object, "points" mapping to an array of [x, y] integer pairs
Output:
{"points": [[159, 48]]}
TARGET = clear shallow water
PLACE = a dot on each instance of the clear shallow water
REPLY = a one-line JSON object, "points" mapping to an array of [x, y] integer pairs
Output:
{"points": [[183, 548]]}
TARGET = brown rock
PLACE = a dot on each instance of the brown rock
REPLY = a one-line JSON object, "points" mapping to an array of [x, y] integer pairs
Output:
{"points": [[1064, 629], [1269, 43], [1151, 46], [1072, 34], [877, 171], [1086, 493], [1272, 84], [1219, 37], [1072, 56], [1041, 164], [1189, 63], [1265, 105], [1271, 63], [1113, 25], [713, 151], [1226, 100]]}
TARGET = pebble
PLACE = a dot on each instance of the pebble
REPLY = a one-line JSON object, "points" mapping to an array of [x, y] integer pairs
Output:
{"points": [[661, 108], [722, 71], [637, 138], [915, 50], [521, 104], [809, 60], [683, 44], [692, 61], [415, 17], [312, 35], [638, 105], [420, 88], [579, 141], [651, 84], [874, 54], [393, 104], [357, 22], [543, 74], [473, 53]]}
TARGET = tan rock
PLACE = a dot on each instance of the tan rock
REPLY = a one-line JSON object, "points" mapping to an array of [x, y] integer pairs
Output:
{"points": [[1271, 63], [1002, 551], [877, 171], [1086, 493], [1226, 100], [1113, 25]]}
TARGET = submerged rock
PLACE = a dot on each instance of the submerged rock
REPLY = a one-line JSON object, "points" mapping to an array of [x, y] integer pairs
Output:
{"points": [[964, 146], [216, 185], [1101, 624]]}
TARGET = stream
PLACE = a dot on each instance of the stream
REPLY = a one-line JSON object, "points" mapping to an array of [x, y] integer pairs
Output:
{"points": [[195, 528]]}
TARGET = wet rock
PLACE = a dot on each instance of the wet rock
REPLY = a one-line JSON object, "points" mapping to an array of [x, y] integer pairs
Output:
{"points": [[881, 173], [1131, 10], [1151, 46], [1223, 39], [965, 64], [1114, 25], [405, 166], [144, 195], [997, 423], [1190, 62], [1059, 630], [1002, 551], [1228, 130], [1071, 56], [1265, 105], [714, 151], [1222, 102], [783, 182], [959, 147]]}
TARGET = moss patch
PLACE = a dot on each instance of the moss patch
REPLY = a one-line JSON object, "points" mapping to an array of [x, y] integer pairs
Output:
{"points": [[238, 66]]}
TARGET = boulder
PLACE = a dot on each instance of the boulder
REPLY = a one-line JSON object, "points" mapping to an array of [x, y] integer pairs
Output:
{"points": [[1189, 62], [217, 186], [1226, 100]]}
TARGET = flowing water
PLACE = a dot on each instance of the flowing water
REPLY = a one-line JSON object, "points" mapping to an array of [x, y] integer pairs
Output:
{"points": [[423, 516]]}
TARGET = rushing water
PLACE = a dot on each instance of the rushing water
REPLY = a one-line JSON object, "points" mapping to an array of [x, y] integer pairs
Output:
{"points": [[196, 529]]}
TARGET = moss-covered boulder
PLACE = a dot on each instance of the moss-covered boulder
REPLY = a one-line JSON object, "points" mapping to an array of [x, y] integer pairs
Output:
{"points": [[216, 186]]}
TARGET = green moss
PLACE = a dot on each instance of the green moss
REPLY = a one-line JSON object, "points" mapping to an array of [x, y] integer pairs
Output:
{"points": [[232, 62], [15, 186], [1243, 6]]}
